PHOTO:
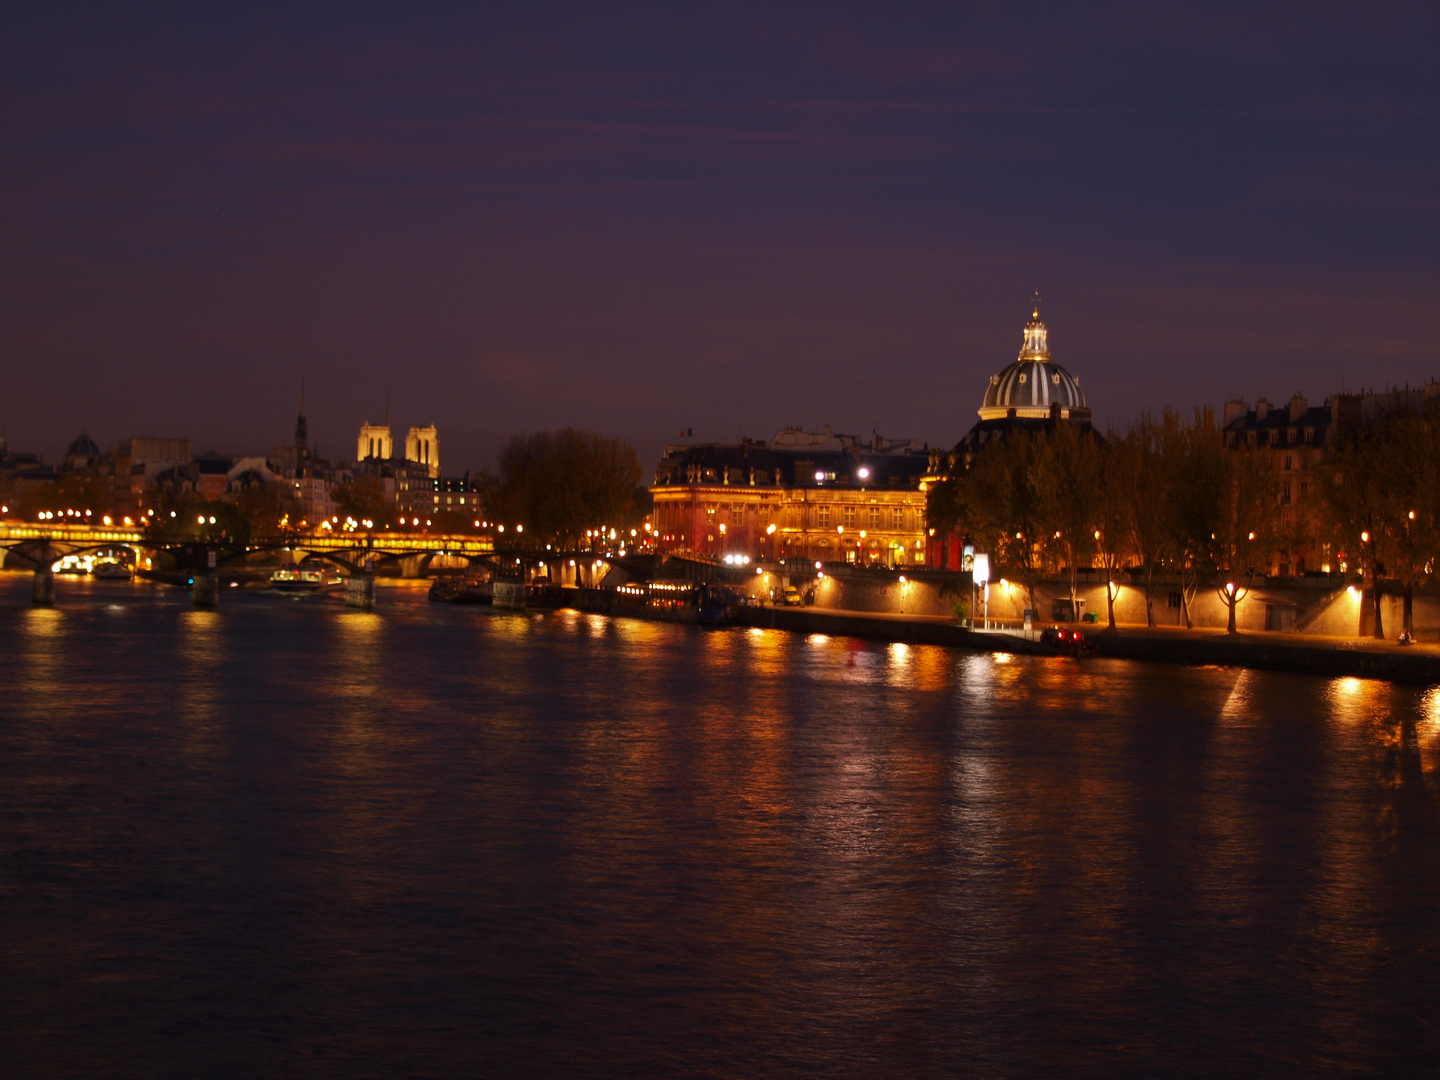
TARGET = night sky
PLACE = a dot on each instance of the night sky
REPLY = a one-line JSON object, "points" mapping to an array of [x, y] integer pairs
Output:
{"points": [[712, 217]]}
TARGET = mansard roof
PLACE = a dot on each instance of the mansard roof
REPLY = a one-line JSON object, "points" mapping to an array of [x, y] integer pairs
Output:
{"points": [[748, 464]]}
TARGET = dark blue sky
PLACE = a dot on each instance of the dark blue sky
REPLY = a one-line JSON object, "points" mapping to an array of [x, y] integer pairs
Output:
{"points": [[729, 219]]}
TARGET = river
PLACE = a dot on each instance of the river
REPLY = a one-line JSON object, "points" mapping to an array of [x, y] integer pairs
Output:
{"points": [[286, 838]]}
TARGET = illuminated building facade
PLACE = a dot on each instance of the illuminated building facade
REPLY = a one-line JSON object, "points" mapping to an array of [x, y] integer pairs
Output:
{"points": [[820, 497], [375, 442]]}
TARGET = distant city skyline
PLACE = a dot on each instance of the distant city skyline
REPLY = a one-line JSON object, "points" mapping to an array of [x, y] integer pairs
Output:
{"points": [[730, 223]]}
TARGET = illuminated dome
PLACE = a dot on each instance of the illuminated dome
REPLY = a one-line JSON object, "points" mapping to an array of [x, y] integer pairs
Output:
{"points": [[1033, 386]]}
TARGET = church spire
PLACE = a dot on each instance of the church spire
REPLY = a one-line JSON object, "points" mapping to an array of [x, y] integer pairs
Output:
{"points": [[302, 430]]}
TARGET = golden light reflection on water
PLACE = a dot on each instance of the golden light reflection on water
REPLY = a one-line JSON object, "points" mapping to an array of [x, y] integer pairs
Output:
{"points": [[513, 625], [42, 622], [41, 683], [198, 693], [358, 733], [769, 654]]}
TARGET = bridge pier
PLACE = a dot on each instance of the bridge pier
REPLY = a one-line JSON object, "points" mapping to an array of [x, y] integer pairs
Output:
{"points": [[205, 585], [360, 590], [509, 595], [43, 591], [412, 566], [205, 592]]}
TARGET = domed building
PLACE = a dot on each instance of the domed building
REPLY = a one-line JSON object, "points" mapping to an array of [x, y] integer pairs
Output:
{"points": [[82, 453], [1031, 392]]}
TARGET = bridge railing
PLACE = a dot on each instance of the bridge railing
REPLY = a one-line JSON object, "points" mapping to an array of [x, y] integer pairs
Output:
{"points": [[70, 534]]}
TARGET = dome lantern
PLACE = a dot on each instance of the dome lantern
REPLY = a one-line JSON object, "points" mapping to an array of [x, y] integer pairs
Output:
{"points": [[1036, 347]]}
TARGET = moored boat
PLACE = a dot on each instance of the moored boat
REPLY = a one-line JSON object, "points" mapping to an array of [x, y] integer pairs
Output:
{"points": [[304, 579], [677, 601], [112, 571], [462, 589]]}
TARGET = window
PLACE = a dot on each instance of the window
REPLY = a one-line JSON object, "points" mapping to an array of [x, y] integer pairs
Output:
{"points": [[1285, 495], [874, 517], [1289, 462], [849, 517], [823, 513], [1304, 488], [710, 515], [899, 518], [1173, 600]]}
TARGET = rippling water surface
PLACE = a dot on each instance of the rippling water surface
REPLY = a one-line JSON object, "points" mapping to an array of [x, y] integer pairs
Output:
{"points": [[287, 838]]}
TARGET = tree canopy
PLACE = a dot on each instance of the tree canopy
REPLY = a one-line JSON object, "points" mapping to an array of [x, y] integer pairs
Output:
{"points": [[558, 484]]}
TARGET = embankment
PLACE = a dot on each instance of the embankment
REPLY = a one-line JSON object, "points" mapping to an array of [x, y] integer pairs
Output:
{"points": [[1328, 657]]}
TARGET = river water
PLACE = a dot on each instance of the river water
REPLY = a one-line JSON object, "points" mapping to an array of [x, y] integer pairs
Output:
{"points": [[285, 838]]}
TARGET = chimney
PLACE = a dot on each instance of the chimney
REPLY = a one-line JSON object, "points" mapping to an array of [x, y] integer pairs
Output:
{"points": [[1298, 407], [1235, 409], [1262, 408]]}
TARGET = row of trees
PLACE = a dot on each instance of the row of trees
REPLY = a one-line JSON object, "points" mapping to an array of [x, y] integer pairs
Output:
{"points": [[1381, 505], [1167, 499]]}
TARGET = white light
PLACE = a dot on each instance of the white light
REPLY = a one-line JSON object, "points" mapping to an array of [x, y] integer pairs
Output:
{"points": [[980, 568], [818, 565], [819, 476], [864, 473]]}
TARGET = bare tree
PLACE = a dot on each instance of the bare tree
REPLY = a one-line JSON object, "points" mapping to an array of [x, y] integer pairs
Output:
{"points": [[1243, 538], [1066, 477]]}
